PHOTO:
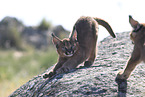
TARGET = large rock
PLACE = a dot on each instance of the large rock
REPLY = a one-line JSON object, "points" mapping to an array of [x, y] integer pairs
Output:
{"points": [[11, 22], [98, 80], [10, 29]]}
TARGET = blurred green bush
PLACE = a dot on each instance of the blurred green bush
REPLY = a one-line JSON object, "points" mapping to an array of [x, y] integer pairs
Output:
{"points": [[44, 25], [25, 52]]}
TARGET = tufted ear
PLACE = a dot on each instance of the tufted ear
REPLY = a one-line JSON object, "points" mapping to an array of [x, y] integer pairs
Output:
{"points": [[73, 35], [55, 39], [133, 22]]}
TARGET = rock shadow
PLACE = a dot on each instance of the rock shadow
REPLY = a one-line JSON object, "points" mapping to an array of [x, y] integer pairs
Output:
{"points": [[122, 87]]}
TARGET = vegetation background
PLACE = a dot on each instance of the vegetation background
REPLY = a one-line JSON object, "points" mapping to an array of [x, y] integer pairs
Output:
{"points": [[25, 51]]}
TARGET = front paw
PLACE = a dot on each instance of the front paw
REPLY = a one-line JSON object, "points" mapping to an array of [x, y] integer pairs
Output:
{"points": [[48, 75], [63, 70], [88, 63], [120, 77], [122, 84]]}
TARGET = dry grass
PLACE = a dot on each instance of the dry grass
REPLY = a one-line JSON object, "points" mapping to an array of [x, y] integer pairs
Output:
{"points": [[17, 67]]}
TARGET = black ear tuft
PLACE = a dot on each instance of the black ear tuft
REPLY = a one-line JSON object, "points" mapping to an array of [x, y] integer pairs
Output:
{"points": [[130, 16], [57, 46], [52, 35], [55, 39], [133, 22]]}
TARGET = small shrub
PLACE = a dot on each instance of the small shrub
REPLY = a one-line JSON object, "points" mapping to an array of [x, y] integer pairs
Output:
{"points": [[44, 25]]}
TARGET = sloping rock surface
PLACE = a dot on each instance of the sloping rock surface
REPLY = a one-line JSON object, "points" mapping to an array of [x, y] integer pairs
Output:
{"points": [[98, 80]]}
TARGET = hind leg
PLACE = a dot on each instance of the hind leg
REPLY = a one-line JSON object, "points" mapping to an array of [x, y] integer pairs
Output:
{"points": [[91, 58]]}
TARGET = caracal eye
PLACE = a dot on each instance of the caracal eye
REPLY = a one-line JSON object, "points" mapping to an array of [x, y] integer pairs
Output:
{"points": [[73, 47], [63, 48]]}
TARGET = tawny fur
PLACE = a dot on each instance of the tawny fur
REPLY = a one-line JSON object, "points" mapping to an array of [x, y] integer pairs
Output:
{"points": [[137, 36], [84, 37]]}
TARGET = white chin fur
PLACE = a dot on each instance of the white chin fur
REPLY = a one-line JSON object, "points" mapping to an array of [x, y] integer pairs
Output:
{"points": [[68, 55]]}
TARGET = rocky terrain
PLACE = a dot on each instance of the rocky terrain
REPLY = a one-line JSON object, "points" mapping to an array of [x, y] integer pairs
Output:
{"points": [[97, 80]]}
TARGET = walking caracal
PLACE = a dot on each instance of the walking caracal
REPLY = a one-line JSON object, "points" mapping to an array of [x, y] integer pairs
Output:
{"points": [[137, 36]]}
